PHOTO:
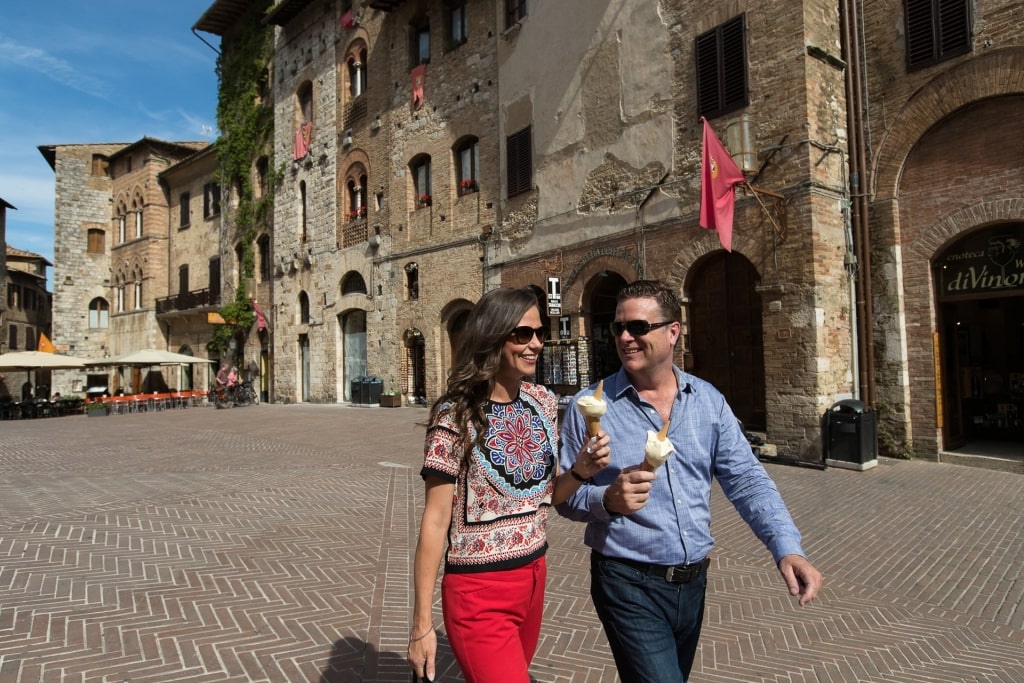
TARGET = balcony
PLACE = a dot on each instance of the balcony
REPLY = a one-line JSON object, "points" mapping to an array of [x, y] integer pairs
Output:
{"points": [[187, 301]]}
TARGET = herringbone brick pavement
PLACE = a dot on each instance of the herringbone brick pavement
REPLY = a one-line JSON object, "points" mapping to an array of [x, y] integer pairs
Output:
{"points": [[274, 543]]}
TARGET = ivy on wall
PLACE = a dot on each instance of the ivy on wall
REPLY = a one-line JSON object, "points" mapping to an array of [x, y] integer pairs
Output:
{"points": [[246, 119]]}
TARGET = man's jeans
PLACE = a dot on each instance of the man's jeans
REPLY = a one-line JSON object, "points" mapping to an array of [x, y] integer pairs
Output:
{"points": [[652, 625]]}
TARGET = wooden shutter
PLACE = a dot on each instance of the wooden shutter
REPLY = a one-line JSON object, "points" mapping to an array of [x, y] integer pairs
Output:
{"points": [[519, 162]]}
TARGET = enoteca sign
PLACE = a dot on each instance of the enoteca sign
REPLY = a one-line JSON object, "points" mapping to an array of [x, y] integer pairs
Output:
{"points": [[987, 262]]}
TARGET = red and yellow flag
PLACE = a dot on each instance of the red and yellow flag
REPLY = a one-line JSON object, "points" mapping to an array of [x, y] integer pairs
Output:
{"points": [[45, 345], [719, 176]]}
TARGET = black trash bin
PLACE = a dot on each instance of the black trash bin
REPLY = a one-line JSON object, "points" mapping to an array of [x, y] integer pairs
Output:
{"points": [[357, 391], [372, 387], [849, 435]]}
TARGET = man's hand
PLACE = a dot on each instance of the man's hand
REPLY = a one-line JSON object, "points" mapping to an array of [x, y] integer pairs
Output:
{"points": [[629, 492], [801, 577]]}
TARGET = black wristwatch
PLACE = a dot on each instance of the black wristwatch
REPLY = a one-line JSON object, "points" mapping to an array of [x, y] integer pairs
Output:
{"points": [[575, 475]]}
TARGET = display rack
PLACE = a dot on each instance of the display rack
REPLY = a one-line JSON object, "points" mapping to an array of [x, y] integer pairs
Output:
{"points": [[565, 365]]}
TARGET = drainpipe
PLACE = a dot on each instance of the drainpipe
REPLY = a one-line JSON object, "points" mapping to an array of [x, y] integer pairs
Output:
{"points": [[859, 173]]}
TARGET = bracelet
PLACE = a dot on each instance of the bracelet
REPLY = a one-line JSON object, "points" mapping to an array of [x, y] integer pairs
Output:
{"points": [[575, 475], [427, 633]]}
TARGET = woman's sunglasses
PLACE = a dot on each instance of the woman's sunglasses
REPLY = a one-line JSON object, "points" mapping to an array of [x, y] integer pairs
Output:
{"points": [[636, 328], [524, 334]]}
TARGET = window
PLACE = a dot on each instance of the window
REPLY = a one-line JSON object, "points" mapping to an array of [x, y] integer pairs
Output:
{"points": [[412, 281], [467, 165], [419, 52], [936, 31], [122, 229], [14, 296], [239, 262], [183, 210], [353, 284], [97, 241], [211, 200], [99, 165], [456, 24], [303, 308], [214, 279], [515, 10], [357, 74], [183, 279], [99, 313], [138, 223], [306, 102], [263, 245], [12, 338], [303, 235], [120, 298], [420, 168], [304, 131], [263, 175], [722, 69], [520, 162], [31, 343], [138, 293]]}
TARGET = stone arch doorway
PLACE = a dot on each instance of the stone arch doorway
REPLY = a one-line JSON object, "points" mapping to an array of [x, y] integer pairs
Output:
{"points": [[352, 325], [725, 333], [979, 283], [599, 296]]}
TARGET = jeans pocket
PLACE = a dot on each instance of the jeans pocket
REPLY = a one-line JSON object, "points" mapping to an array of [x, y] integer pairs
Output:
{"points": [[610, 569]]}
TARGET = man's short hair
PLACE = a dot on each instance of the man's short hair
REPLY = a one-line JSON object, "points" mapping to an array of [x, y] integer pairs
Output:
{"points": [[668, 302]]}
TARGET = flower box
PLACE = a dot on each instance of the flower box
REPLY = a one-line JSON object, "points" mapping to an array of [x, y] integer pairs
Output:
{"points": [[390, 400], [97, 409]]}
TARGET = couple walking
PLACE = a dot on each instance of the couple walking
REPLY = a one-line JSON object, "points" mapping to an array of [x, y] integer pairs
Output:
{"points": [[495, 463]]}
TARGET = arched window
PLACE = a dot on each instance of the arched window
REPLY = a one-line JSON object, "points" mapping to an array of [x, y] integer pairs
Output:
{"points": [[137, 277], [353, 283], [303, 308], [137, 205], [99, 313]]}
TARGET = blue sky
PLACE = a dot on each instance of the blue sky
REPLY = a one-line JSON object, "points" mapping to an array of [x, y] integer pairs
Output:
{"points": [[79, 71]]}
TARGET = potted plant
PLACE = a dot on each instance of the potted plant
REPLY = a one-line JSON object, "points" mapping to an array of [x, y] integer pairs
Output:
{"points": [[425, 200], [97, 409], [468, 185], [390, 399]]}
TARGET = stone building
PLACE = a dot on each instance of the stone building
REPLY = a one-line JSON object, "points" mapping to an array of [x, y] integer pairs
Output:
{"points": [[111, 253], [424, 152], [193, 275], [25, 316]]}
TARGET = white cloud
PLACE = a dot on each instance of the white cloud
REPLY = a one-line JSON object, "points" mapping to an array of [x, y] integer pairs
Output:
{"points": [[51, 67]]}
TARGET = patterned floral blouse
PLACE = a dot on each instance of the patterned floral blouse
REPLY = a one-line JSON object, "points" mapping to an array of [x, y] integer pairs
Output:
{"points": [[503, 491]]}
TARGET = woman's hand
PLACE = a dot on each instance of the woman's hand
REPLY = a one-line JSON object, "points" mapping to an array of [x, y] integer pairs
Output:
{"points": [[594, 456], [422, 654]]}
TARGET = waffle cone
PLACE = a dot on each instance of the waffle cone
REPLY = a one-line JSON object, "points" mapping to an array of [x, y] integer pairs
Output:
{"points": [[593, 426]]}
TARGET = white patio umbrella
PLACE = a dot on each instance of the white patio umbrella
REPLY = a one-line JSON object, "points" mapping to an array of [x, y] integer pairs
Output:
{"points": [[38, 360], [145, 358], [149, 357]]}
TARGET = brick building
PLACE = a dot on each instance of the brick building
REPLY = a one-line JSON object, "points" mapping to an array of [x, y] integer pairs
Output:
{"points": [[24, 317]]}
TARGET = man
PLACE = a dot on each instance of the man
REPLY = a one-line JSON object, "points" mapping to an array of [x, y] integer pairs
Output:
{"points": [[223, 373], [649, 532]]}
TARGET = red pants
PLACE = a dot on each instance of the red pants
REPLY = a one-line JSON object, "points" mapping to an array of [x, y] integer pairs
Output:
{"points": [[493, 621]]}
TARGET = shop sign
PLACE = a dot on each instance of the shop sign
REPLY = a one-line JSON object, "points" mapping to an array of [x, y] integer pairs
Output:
{"points": [[986, 262]]}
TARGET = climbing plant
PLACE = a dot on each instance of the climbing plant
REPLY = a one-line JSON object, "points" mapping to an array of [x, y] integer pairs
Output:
{"points": [[246, 119]]}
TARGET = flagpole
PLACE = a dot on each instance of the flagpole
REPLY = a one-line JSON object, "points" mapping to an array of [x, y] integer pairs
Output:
{"points": [[757, 191]]}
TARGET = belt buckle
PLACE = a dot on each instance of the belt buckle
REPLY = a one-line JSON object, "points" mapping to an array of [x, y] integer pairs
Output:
{"points": [[682, 577]]}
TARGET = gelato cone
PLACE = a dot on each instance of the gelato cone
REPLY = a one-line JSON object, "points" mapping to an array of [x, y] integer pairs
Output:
{"points": [[592, 408], [657, 450]]}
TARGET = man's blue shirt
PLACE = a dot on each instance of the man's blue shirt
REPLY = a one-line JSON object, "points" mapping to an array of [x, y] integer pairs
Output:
{"points": [[674, 527]]}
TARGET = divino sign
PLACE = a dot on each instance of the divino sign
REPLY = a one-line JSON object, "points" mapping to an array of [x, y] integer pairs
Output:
{"points": [[986, 262]]}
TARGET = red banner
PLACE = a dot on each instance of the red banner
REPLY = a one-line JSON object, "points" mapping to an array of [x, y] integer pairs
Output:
{"points": [[719, 176]]}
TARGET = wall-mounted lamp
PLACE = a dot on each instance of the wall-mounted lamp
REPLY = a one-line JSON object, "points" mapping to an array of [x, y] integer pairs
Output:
{"points": [[346, 140]]}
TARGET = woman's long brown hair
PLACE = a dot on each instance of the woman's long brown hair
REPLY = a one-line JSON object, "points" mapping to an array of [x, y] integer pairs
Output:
{"points": [[477, 358]]}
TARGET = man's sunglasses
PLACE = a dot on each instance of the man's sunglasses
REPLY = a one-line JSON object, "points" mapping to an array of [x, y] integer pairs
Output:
{"points": [[524, 334], [636, 328]]}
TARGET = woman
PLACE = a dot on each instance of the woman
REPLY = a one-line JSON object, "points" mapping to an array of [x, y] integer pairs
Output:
{"points": [[491, 475]]}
